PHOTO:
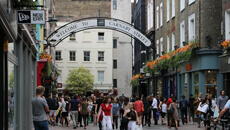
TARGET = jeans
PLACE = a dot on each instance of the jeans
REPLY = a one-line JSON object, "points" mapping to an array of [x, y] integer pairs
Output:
{"points": [[106, 122], [41, 125], [74, 115], [85, 118], [183, 114], [115, 121], [198, 119], [145, 116], [155, 116]]}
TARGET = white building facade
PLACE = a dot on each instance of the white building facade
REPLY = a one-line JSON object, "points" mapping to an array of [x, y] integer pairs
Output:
{"points": [[106, 53]]}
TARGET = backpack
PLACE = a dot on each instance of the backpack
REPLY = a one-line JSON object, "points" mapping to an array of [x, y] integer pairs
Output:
{"points": [[171, 111], [67, 106], [56, 104], [183, 105]]}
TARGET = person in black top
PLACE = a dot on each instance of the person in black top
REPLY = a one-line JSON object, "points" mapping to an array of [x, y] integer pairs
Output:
{"points": [[98, 104], [132, 116], [207, 101], [191, 107], [49, 102]]}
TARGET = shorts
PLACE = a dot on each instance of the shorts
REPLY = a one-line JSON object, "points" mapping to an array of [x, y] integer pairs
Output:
{"points": [[163, 114], [64, 114], [191, 113], [53, 112], [140, 113]]}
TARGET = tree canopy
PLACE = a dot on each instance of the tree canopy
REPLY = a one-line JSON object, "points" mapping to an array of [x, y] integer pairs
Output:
{"points": [[80, 80]]}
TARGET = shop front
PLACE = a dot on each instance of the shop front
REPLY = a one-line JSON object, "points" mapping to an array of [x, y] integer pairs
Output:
{"points": [[225, 70], [169, 82], [200, 74]]}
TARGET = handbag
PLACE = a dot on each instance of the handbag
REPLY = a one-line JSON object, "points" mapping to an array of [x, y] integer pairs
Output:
{"points": [[171, 111], [203, 108], [101, 116]]}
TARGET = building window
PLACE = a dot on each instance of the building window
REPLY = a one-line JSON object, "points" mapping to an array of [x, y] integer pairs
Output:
{"points": [[86, 55], [72, 37], [114, 83], [173, 8], [100, 56], [182, 5], [114, 43], [100, 76], [158, 47], [161, 14], [115, 64], [58, 55], [72, 55], [150, 14], [168, 10], [182, 33], [227, 25], [173, 40], [186, 84], [101, 36], [161, 40], [191, 1], [59, 79], [157, 19], [191, 27], [114, 4], [168, 44], [211, 82]]}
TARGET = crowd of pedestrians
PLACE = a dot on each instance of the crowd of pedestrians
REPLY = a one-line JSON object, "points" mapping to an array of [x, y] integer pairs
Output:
{"points": [[134, 112]]}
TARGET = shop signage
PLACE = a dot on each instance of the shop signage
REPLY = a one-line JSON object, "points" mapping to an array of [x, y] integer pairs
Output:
{"points": [[31, 16], [189, 67], [59, 85], [99, 23]]}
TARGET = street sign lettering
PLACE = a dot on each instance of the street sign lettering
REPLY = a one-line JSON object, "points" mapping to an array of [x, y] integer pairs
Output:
{"points": [[31, 17]]}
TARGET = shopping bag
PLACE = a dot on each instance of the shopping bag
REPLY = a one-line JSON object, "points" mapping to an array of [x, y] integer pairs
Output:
{"points": [[216, 114], [202, 108], [89, 119], [157, 115]]}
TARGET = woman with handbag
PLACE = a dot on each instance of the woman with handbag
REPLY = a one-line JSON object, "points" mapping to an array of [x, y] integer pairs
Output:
{"points": [[139, 107], [106, 110], [84, 110], [163, 110], [174, 113], [207, 101], [132, 117]]}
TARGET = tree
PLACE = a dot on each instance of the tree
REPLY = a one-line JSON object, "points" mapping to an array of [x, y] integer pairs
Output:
{"points": [[80, 80]]}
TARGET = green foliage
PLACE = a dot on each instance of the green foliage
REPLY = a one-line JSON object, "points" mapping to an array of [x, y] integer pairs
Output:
{"points": [[11, 80], [134, 82], [80, 80]]}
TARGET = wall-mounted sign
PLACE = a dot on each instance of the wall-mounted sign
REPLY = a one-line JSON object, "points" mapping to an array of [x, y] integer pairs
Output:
{"points": [[31, 16], [189, 67]]}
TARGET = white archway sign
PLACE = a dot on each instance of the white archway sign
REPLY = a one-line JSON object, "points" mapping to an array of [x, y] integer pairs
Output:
{"points": [[90, 23]]}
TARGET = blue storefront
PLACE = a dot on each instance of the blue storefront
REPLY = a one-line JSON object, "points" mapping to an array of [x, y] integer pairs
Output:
{"points": [[200, 74]]}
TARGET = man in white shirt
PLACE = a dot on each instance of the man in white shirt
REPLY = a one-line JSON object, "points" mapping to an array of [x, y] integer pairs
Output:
{"points": [[154, 106]]}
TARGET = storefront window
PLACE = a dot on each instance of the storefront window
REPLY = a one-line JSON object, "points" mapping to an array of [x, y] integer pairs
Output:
{"points": [[159, 87], [210, 77], [196, 84], [11, 88], [211, 81], [11, 47], [185, 84]]}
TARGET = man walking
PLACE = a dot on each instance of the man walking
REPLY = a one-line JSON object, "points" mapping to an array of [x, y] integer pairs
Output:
{"points": [[73, 106], [221, 101], [53, 109], [183, 109], [154, 106], [39, 110], [191, 108], [98, 104]]}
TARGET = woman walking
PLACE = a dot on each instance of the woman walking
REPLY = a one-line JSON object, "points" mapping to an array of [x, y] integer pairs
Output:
{"points": [[207, 101], [163, 109], [174, 116], [146, 111], [139, 107], [132, 116], [125, 105], [106, 110], [115, 111], [84, 110], [94, 111], [90, 102], [59, 111], [65, 109]]}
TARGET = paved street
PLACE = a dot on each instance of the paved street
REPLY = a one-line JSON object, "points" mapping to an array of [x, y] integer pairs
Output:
{"points": [[159, 127]]}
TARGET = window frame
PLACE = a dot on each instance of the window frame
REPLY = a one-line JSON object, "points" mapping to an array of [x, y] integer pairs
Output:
{"points": [[168, 43], [227, 25], [114, 4], [85, 56], [161, 14], [100, 37], [101, 58], [72, 56], [191, 35], [114, 83], [158, 48], [168, 10], [114, 63], [173, 8], [98, 77], [161, 44], [72, 37], [114, 45], [182, 5], [182, 33], [59, 58], [191, 2], [173, 40], [157, 17]]}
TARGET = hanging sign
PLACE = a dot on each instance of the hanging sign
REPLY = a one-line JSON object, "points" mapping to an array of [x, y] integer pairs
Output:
{"points": [[31, 16]]}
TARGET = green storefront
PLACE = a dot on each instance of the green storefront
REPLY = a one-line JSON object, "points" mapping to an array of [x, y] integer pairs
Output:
{"points": [[200, 74]]}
